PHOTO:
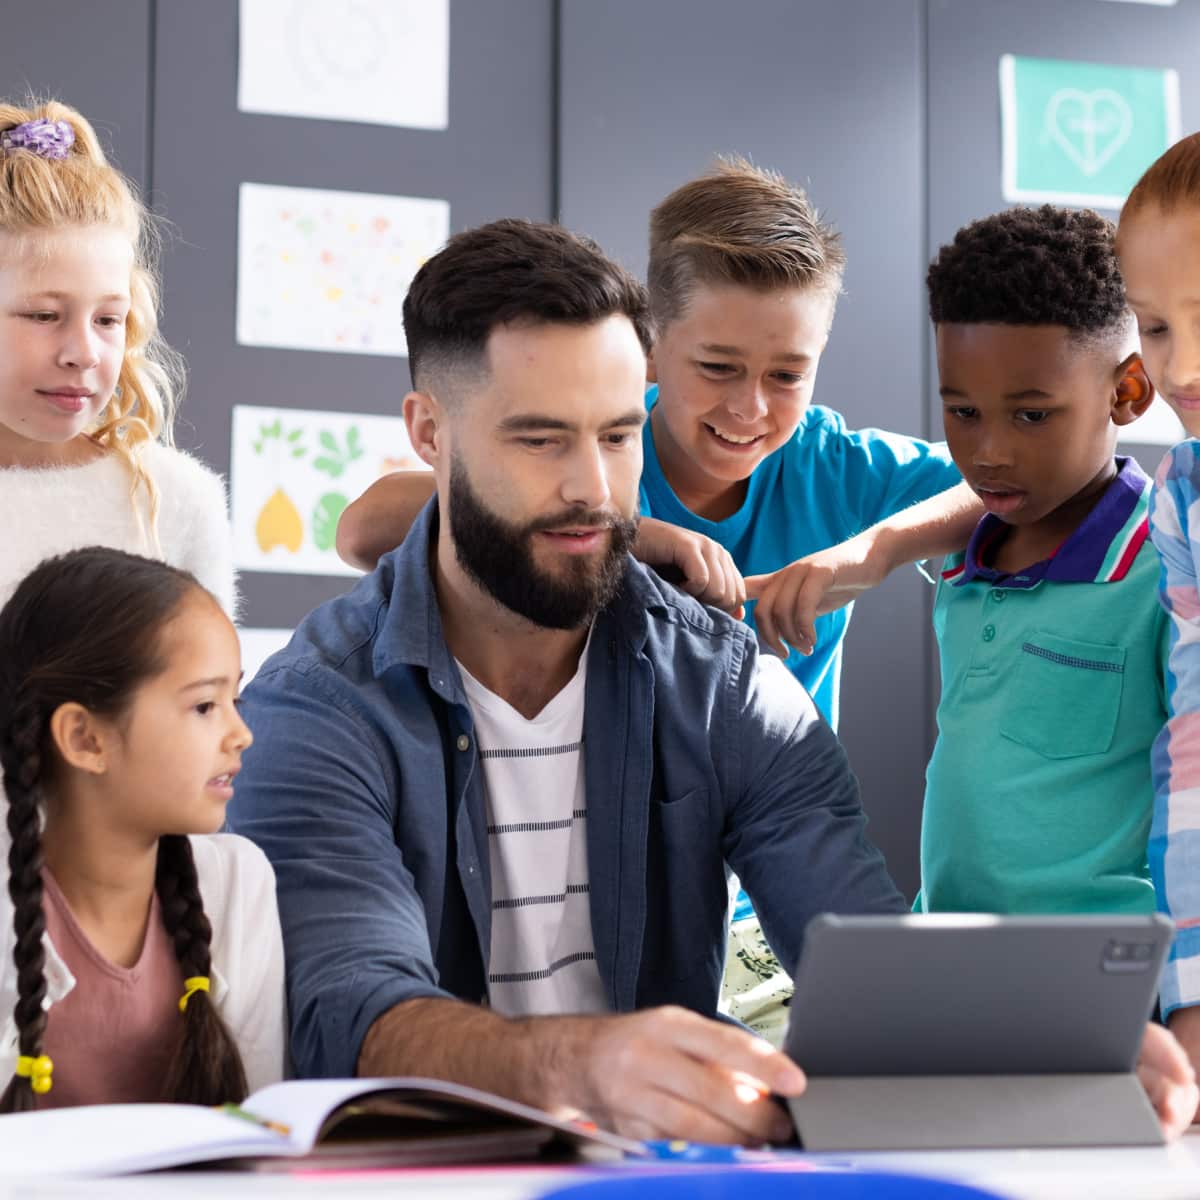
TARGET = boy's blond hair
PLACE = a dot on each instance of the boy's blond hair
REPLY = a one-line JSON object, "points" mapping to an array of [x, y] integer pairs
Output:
{"points": [[743, 225]]}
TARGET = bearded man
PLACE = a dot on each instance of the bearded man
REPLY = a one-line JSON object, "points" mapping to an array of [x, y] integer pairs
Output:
{"points": [[503, 780]]}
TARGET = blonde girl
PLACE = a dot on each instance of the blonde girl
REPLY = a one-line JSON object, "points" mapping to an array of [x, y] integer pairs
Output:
{"points": [[87, 387]]}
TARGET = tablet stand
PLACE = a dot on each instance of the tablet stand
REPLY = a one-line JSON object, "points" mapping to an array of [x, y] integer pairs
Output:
{"points": [[954, 1112]]}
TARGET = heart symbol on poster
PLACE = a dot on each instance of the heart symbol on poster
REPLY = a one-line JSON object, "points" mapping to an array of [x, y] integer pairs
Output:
{"points": [[1090, 127]]}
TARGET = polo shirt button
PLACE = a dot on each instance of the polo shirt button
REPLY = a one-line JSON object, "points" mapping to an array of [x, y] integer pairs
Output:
{"points": [[464, 742], [989, 632], [997, 594]]}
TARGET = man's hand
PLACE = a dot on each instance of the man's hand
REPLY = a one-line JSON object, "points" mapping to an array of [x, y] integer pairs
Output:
{"points": [[659, 1073], [791, 599], [1168, 1077], [706, 566], [669, 1073]]}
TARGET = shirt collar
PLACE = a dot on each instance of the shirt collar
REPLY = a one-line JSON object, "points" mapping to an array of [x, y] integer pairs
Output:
{"points": [[1101, 550]]}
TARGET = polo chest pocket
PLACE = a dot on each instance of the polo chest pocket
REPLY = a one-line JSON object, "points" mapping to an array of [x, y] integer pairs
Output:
{"points": [[1067, 696]]}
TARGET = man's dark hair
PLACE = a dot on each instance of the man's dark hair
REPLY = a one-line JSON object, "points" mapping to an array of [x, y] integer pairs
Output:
{"points": [[511, 272], [1031, 266]]}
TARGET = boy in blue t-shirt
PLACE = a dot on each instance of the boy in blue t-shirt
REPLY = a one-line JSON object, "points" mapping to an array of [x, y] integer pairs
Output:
{"points": [[742, 476], [1052, 641]]}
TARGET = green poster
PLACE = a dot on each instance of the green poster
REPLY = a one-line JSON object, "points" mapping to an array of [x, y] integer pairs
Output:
{"points": [[1082, 133]]}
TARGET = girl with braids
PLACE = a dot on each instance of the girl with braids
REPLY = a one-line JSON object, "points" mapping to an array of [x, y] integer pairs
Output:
{"points": [[141, 952], [86, 385]]}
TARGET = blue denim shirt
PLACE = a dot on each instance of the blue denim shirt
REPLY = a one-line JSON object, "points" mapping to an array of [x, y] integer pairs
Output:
{"points": [[364, 788]]}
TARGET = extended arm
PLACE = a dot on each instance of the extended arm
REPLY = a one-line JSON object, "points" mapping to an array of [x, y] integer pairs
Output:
{"points": [[664, 1072], [790, 599]]}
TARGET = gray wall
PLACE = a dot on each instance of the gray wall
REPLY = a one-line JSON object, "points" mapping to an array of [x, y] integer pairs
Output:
{"points": [[888, 109]]}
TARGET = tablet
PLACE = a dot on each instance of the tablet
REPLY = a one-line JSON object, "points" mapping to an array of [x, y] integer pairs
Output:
{"points": [[975, 995]]}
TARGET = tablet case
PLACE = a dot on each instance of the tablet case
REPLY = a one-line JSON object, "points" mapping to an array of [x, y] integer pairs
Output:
{"points": [[949, 1032]]}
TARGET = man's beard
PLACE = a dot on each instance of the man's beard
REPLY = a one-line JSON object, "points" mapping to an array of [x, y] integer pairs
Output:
{"points": [[499, 557]]}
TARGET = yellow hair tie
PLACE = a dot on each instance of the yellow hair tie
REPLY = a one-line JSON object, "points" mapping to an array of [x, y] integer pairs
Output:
{"points": [[37, 1071], [197, 983]]}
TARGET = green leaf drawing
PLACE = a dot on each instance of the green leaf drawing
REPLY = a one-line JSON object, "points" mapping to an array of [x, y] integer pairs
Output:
{"points": [[273, 432], [336, 458], [325, 517]]}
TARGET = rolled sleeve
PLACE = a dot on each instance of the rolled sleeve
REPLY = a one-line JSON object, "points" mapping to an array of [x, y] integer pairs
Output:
{"points": [[318, 793]]}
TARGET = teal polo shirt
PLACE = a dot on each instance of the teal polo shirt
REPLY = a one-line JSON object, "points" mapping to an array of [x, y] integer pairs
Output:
{"points": [[1038, 795]]}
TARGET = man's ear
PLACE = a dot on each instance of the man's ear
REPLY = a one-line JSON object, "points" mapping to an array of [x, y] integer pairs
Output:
{"points": [[651, 369], [79, 738], [1133, 391], [425, 420]]}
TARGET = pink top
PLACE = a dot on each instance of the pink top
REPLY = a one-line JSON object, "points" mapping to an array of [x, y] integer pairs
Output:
{"points": [[112, 1036]]}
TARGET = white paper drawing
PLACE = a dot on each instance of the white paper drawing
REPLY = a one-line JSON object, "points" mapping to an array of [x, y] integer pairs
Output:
{"points": [[257, 646], [383, 62], [293, 471], [325, 270]]}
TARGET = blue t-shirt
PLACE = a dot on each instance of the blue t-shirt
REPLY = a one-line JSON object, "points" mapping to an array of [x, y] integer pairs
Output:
{"points": [[824, 485]]}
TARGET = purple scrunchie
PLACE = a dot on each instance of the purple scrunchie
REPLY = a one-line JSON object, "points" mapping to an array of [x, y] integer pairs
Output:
{"points": [[46, 139]]}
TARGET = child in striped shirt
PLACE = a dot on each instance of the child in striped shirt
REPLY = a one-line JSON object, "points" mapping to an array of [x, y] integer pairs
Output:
{"points": [[1159, 247]]}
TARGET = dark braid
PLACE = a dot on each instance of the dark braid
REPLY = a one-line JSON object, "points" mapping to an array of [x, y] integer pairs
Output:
{"points": [[207, 1068], [21, 757]]}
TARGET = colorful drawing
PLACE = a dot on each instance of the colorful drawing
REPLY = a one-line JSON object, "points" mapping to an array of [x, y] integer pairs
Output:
{"points": [[323, 270], [292, 474], [383, 62]]}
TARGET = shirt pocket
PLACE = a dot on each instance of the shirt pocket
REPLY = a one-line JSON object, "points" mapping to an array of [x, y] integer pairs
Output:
{"points": [[1067, 696]]}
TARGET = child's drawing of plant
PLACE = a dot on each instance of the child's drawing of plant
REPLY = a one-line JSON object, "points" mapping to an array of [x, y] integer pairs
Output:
{"points": [[279, 524], [289, 443], [325, 517], [334, 458]]}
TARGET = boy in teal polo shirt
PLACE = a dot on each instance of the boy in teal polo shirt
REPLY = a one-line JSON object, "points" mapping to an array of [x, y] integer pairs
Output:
{"points": [[1051, 637]]}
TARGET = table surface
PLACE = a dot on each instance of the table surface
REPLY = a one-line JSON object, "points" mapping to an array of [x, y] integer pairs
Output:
{"points": [[1166, 1173]]}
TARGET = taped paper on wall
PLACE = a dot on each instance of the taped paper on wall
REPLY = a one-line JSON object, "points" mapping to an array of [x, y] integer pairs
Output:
{"points": [[325, 270], [1082, 133], [293, 471], [382, 62]]}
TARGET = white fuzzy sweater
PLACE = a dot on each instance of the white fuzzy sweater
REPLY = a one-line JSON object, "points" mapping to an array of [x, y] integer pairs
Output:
{"points": [[51, 511]]}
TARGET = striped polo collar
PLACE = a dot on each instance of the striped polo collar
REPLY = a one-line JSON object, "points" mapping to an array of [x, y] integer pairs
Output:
{"points": [[1101, 550]]}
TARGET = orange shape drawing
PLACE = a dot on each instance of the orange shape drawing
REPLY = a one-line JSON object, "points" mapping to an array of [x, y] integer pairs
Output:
{"points": [[279, 524]]}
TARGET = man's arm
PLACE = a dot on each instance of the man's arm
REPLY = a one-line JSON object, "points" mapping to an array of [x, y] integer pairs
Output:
{"points": [[663, 1072], [379, 520], [317, 793], [789, 600]]}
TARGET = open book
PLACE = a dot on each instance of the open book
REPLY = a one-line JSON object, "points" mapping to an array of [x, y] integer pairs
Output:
{"points": [[326, 1123]]}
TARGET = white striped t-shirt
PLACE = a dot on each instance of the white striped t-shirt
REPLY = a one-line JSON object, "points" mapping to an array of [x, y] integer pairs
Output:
{"points": [[543, 959]]}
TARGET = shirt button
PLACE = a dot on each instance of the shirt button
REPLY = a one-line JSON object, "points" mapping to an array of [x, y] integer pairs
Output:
{"points": [[989, 632], [997, 594], [464, 742]]}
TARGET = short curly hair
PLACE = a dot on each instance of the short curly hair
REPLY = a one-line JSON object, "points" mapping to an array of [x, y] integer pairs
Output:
{"points": [[1031, 266]]}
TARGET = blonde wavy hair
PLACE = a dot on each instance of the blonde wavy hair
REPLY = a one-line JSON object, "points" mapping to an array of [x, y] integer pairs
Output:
{"points": [[84, 190]]}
